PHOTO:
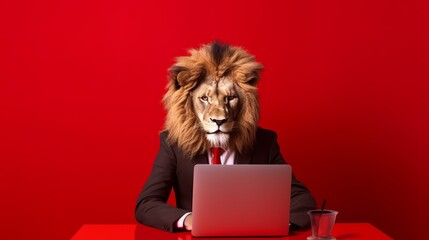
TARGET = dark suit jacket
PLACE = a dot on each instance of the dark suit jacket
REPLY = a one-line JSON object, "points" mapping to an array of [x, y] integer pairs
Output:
{"points": [[172, 170]]}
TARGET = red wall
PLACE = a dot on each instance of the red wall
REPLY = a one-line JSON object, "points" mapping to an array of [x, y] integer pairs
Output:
{"points": [[345, 86]]}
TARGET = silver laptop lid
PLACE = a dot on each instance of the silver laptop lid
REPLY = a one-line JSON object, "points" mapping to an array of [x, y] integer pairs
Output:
{"points": [[241, 200]]}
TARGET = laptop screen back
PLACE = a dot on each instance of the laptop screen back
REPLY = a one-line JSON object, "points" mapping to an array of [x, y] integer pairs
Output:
{"points": [[241, 200]]}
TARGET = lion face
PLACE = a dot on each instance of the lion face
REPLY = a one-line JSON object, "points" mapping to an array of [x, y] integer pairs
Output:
{"points": [[216, 104], [212, 100]]}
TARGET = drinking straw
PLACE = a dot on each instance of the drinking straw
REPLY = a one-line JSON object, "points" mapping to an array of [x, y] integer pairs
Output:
{"points": [[323, 206], [321, 212]]}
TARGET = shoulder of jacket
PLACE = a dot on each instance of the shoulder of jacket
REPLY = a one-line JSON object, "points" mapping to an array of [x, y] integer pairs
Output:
{"points": [[262, 132]]}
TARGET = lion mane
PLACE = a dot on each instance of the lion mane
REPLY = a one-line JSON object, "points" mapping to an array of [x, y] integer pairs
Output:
{"points": [[213, 60]]}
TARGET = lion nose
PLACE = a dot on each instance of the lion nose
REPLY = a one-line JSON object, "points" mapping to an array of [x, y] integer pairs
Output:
{"points": [[218, 121]]}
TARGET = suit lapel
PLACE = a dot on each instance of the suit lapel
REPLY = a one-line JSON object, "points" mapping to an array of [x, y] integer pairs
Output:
{"points": [[201, 159], [242, 158]]}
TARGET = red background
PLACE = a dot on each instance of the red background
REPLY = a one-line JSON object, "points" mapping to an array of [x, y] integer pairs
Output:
{"points": [[345, 86]]}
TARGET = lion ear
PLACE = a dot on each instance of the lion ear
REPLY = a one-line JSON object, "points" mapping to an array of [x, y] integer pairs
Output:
{"points": [[253, 76], [253, 81], [182, 76], [177, 75]]}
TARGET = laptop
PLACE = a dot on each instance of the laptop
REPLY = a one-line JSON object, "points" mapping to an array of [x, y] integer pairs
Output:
{"points": [[241, 200]]}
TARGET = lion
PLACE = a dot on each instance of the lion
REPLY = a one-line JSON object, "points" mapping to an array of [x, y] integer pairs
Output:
{"points": [[212, 100]]}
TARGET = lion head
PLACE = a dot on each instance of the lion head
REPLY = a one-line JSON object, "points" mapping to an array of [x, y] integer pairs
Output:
{"points": [[212, 100]]}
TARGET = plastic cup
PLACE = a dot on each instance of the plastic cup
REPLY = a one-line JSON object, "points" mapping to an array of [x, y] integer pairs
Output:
{"points": [[322, 223]]}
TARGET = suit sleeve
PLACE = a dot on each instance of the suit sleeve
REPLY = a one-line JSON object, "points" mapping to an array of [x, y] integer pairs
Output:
{"points": [[152, 208], [301, 198]]}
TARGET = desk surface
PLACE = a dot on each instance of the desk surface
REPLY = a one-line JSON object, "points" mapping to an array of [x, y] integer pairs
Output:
{"points": [[346, 231]]}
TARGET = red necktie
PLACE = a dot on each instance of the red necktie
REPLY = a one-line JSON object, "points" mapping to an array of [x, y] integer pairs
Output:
{"points": [[217, 151]]}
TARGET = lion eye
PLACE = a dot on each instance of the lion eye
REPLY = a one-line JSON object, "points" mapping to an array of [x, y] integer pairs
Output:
{"points": [[230, 98], [204, 98]]}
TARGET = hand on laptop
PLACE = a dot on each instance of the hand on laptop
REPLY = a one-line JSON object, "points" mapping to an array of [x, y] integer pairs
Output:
{"points": [[188, 222]]}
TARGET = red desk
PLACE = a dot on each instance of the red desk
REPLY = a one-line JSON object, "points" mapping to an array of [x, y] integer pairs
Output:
{"points": [[346, 231]]}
